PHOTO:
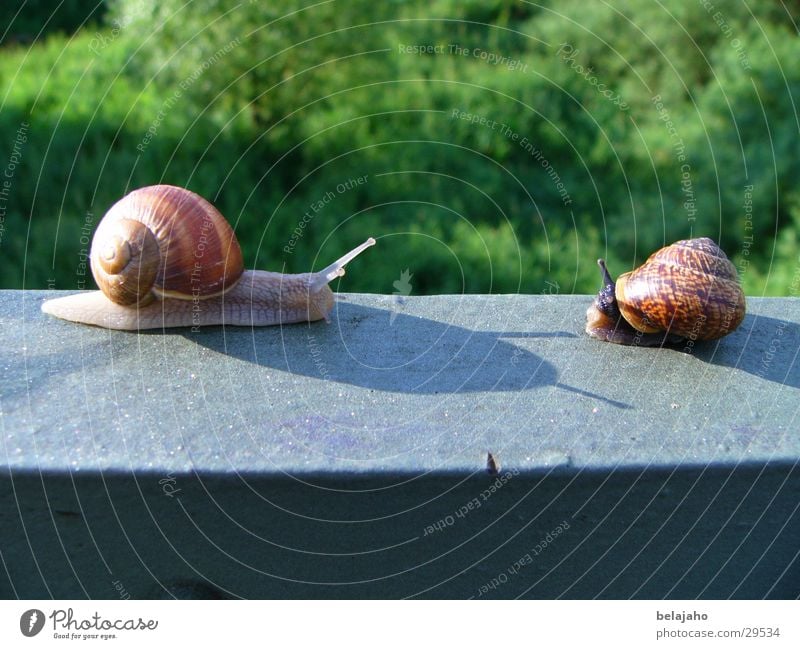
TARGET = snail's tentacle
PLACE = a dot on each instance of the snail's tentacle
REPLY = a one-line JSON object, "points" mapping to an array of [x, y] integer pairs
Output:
{"points": [[336, 269]]}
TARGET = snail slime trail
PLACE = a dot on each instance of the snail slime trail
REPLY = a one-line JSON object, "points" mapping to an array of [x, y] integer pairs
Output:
{"points": [[163, 257]]}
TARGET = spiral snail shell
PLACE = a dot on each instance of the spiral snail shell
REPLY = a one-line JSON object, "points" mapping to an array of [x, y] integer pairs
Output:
{"points": [[689, 289], [163, 256]]}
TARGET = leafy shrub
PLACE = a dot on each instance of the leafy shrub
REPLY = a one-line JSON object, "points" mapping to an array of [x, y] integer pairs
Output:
{"points": [[481, 173]]}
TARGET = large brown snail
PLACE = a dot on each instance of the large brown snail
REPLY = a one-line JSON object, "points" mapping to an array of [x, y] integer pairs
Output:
{"points": [[163, 256], [689, 290]]}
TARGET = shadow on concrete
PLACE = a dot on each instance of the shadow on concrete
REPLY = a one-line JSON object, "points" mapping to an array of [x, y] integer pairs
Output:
{"points": [[705, 531], [765, 347], [411, 355]]}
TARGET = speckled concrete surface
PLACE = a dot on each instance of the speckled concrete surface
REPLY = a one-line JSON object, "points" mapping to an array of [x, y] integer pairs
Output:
{"points": [[349, 459], [431, 384]]}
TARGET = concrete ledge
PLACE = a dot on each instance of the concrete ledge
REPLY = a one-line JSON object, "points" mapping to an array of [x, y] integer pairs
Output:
{"points": [[350, 459]]}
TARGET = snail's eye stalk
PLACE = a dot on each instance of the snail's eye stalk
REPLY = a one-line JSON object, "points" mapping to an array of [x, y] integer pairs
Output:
{"points": [[606, 299], [607, 281]]}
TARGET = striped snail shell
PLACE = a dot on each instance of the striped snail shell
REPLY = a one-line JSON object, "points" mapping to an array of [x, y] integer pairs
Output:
{"points": [[164, 241], [689, 289]]}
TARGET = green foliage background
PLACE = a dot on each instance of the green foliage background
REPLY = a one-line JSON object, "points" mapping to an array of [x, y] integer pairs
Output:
{"points": [[266, 107]]}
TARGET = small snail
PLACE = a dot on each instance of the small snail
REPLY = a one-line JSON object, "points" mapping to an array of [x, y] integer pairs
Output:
{"points": [[687, 290], [165, 257]]}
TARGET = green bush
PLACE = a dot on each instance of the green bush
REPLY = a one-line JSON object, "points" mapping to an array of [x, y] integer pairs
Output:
{"points": [[268, 108]]}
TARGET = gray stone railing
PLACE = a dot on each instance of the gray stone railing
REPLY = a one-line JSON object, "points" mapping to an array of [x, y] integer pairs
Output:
{"points": [[349, 459]]}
